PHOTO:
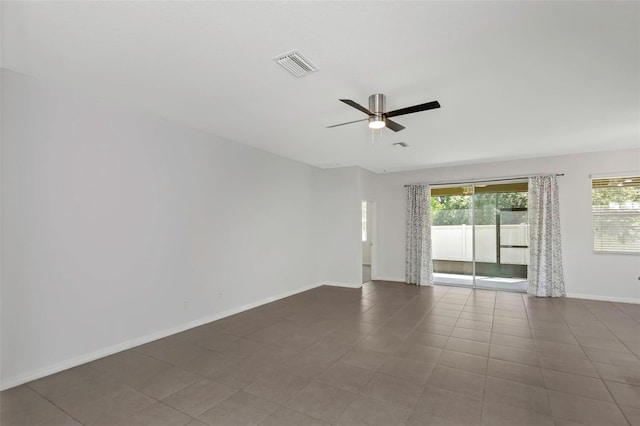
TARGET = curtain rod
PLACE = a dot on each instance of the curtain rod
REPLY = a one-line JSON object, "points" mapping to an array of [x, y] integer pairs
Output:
{"points": [[486, 180]]}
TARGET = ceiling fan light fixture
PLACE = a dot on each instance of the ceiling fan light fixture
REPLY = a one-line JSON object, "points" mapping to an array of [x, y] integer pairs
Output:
{"points": [[379, 117], [376, 123]]}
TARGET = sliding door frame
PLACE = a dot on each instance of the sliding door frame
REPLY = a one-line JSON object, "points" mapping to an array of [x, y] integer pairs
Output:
{"points": [[473, 185]]}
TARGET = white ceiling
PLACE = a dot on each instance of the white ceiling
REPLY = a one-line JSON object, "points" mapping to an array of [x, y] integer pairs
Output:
{"points": [[515, 79]]}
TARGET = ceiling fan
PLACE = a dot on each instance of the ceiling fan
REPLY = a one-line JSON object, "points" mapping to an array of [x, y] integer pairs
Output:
{"points": [[378, 118]]}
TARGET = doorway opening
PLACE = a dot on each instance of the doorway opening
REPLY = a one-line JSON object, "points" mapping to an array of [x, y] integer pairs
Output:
{"points": [[368, 253], [480, 235]]}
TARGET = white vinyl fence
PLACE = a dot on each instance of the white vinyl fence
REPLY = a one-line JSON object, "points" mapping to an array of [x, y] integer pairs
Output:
{"points": [[455, 242]]}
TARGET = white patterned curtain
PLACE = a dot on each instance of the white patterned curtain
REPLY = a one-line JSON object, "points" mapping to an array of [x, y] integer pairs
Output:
{"points": [[545, 258], [419, 266]]}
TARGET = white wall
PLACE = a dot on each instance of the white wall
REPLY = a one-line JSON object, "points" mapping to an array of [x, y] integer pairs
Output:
{"points": [[338, 225], [610, 276], [113, 219]]}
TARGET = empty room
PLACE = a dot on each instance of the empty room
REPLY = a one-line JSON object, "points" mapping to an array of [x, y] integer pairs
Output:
{"points": [[288, 213]]}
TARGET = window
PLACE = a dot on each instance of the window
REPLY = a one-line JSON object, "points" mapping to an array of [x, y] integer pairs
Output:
{"points": [[615, 205], [364, 221]]}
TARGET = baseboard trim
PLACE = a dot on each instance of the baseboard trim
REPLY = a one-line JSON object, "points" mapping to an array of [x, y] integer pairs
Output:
{"points": [[83, 359], [603, 298], [394, 279], [340, 284], [92, 356]]}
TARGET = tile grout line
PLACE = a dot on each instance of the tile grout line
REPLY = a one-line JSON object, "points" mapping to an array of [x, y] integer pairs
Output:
{"points": [[609, 329], [604, 382], [484, 388], [54, 404], [588, 359], [407, 307]]}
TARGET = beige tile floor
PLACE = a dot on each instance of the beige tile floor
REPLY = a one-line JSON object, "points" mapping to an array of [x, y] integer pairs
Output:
{"points": [[387, 354]]}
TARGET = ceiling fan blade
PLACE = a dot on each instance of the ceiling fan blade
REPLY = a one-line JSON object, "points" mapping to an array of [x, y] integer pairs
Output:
{"points": [[349, 122], [356, 106], [415, 108], [394, 126]]}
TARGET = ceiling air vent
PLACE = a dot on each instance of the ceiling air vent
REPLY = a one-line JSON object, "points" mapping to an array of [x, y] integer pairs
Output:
{"points": [[295, 63]]}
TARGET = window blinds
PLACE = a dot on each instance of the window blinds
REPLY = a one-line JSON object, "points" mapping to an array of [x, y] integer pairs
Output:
{"points": [[616, 214]]}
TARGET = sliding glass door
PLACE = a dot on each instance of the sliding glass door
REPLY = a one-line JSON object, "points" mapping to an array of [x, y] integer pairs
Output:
{"points": [[502, 235], [452, 235], [480, 235]]}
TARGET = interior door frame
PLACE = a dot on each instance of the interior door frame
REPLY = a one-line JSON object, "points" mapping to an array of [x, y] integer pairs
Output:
{"points": [[372, 234], [372, 230]]}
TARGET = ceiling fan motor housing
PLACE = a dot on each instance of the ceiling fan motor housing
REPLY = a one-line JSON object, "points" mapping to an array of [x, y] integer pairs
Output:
{"points": [[377, 106], [377, 103]]}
